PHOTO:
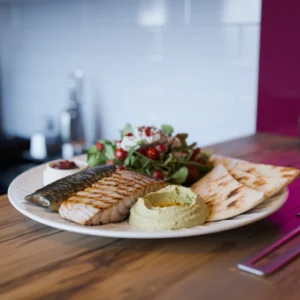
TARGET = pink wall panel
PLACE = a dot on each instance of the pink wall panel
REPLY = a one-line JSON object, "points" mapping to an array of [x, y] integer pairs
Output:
{"points": [[279, 75]]}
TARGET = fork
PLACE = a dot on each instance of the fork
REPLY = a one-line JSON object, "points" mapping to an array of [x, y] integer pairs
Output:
{"points": [[272, 266]]}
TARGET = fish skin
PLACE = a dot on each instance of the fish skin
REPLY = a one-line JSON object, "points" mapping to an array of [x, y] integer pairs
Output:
{"points": [[53, 194], [109, 199]]}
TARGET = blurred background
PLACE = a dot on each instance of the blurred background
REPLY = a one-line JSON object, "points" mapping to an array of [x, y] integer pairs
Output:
{"points": [[190, 63]]}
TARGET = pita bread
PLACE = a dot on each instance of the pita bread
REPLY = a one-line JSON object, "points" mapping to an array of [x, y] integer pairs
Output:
{"points": [[227, 162], [269, 186], [225, 196], [262, 170]]}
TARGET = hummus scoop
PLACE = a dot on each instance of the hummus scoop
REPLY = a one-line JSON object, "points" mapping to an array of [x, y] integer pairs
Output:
{"points": [[172, 207]]}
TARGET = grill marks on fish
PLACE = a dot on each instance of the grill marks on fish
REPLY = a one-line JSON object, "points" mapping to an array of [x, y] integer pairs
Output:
{"points": [[52, 195], [109, 199]]}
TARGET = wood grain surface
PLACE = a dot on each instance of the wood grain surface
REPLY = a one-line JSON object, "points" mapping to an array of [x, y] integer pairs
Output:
{"points": [[39, 262]]}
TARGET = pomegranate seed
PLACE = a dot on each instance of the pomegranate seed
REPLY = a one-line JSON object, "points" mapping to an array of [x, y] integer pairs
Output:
{"points": [[148, 131], [161, 148], [158, 175]]}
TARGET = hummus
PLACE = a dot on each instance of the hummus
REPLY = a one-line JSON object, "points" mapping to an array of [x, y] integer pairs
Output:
{"points": [[172, 207]]}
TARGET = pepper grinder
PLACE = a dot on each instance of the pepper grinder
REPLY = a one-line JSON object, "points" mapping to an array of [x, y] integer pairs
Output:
{"points": [[71, 119]]}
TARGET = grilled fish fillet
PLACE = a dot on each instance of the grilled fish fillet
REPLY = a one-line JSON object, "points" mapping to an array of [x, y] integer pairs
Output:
{"points": [[109, 199], [53, 194]]}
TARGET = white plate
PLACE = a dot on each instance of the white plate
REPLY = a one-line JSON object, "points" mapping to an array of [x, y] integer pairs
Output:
{"points": [[31, 180]]}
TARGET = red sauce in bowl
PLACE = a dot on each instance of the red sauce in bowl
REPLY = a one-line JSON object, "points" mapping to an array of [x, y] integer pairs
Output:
{"points": [[65, 165]]}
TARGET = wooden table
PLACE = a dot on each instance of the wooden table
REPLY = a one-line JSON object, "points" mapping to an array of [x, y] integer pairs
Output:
{"points": [[40, 262]]}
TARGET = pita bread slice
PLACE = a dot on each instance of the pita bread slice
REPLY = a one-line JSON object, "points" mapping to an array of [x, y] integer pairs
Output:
{"points": [[269, 186], [263, 170], [227, 162], [225, 196]]}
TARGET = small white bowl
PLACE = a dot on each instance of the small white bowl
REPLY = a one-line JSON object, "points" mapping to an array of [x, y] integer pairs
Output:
{"points": [[50, 174]]}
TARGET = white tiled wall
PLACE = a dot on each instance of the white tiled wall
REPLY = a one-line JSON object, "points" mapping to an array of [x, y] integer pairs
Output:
{"points": [[190, 63]]}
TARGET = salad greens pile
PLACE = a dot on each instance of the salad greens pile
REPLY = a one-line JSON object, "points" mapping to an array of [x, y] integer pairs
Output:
{"points": [[170, 159]]}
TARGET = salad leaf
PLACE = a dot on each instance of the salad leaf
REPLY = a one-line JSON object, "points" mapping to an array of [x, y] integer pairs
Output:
{"points": [[109, 151], [173, 162], [132, 160], [92, 150], [131, 151], [96, 159], [127, 129], [182, 137], [167, 129], [161, 166], [190, 153], [146, 164], [127, 161], [105, 142], [144, 161], [180, 175], [191, 146]]}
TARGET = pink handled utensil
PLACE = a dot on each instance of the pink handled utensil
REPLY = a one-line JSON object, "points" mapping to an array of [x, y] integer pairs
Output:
{"points": [[273, 265]]}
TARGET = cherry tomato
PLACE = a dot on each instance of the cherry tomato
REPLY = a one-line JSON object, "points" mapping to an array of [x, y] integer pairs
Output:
{"points": [[129, 134], [99, 146], [192, 174], [161, 148], [152, 153], [148, 131], [121, 154], [158, 175], [110, 162]]}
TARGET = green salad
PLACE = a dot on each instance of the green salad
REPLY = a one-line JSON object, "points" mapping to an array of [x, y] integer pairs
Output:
{"points": [[153, 151]]}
